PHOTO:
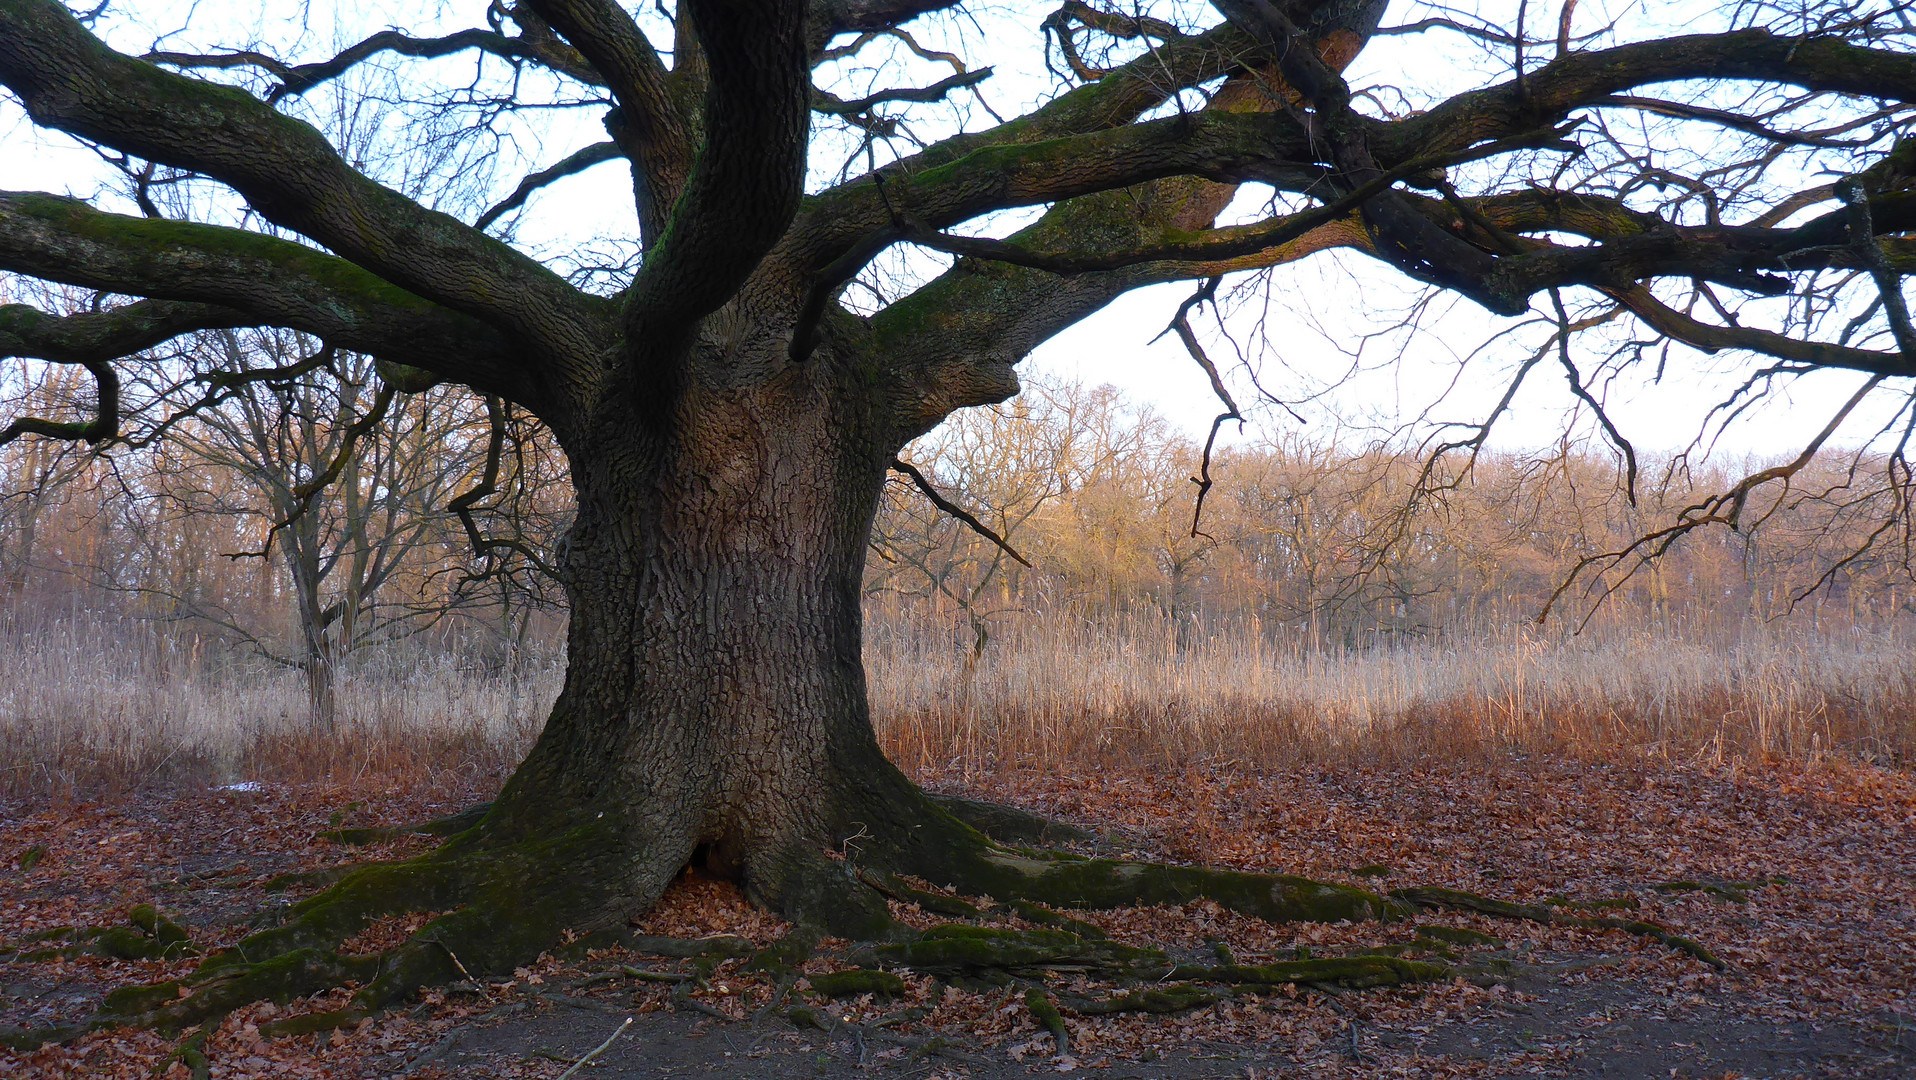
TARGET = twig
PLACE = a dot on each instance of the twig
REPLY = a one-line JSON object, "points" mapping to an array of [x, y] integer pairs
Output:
{"points": [[597, 1050], [1181, 324], [455, 960]]}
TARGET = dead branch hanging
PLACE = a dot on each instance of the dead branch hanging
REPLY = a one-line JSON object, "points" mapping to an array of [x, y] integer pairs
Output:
{"points": [[1181, 325]]}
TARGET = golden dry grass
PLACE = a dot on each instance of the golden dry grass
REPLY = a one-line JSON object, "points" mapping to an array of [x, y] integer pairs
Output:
{"points": [[93, 707], [1074, 694]]}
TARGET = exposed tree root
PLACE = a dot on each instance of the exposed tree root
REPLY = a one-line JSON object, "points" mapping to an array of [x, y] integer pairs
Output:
{"points": [[840, 984], [501, 904], [1039, 1005], [1010, 825], [1463, 901], [448, 826], [191, 1053], [148, 935], [1166, 998]]}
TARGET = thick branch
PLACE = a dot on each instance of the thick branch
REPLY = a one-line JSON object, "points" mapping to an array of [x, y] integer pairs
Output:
{"points": [[1711, 338], [268, 280], [746, 184], [92, 336], [837, 220], [1581, 79], [651, 125], [70, 81], [1208, 246]]}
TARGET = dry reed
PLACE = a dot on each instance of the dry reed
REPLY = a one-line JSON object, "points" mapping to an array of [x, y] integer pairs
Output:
{"points": [[95, 706], [90, 706], [1075, 694]]}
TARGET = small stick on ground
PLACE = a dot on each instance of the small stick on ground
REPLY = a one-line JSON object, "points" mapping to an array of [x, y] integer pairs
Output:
{"points": [[597, 1050]]}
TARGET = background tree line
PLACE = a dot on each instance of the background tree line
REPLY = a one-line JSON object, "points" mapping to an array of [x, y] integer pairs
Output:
{"points": [[301, 509], [1359, 541]]}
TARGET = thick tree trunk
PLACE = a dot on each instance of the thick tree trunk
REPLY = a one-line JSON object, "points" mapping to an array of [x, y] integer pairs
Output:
{"points": [[714, 709]]}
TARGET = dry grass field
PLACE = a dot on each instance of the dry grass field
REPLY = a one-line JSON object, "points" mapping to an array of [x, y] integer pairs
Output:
{"points": [[91, 708]]}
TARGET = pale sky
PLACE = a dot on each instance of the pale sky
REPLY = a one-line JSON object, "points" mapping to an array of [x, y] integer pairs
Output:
{"points": [[1313, 305]]}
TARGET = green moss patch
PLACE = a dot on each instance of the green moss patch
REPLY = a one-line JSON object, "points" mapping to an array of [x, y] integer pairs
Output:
{"points": [[840, 984]]}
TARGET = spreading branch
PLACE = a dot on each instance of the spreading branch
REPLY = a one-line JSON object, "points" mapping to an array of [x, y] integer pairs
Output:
{"points": [[110, 334], [746, 184], [70, 81], [272, 282]]}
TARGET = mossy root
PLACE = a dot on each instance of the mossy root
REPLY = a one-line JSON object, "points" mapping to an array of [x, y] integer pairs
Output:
{"points": [[1464, 901], [1062, 880], [1010, 825], [840, 984], [1039, 1005], [450, 825]]}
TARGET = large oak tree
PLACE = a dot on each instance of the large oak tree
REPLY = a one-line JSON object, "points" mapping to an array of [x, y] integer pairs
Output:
{"points": [[729, 417]]}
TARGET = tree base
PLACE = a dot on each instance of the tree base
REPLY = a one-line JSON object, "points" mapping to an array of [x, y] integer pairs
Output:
{"points": [[501, 905]]}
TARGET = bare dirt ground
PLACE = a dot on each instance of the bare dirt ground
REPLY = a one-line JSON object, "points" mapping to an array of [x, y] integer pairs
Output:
{"points": [[1821, 954]]}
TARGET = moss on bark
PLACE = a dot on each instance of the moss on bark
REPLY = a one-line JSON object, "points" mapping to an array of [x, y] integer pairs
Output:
{"points": [[839, 984], [1465, 901], [967, 950], [1039, 1005], [1168, 998]]}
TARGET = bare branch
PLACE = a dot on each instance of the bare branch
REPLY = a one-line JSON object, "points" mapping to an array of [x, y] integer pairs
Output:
{"points": [[1582, 393], [298, 79], [1724, 509], [823, 102], [571, 165], [488, 485], [953, 509], [1181, 324]]}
